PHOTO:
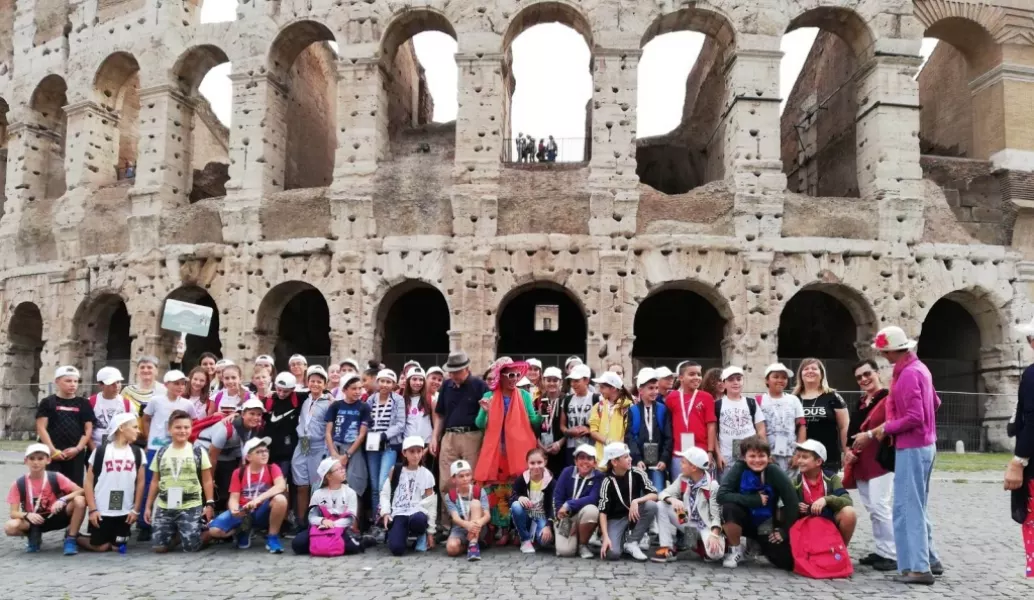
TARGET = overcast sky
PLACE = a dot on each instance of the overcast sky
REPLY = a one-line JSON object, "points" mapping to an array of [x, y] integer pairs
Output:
{"points": [[551, 67]]}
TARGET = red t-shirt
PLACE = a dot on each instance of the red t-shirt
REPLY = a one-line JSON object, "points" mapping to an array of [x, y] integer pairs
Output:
{"points": [[39, 489], [701, 413], [813, 491], [251, 485]]}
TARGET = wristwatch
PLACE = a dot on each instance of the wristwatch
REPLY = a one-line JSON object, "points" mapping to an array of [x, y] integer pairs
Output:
{"points": [[1023, 462], [348, 454]]}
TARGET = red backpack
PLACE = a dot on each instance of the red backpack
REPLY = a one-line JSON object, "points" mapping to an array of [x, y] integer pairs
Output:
{"points": [[818, 549], [125, 403], [202, 424]]}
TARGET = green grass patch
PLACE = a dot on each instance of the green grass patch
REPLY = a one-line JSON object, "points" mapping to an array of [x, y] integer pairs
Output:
{"points": [[14, 445], [971, 462]]}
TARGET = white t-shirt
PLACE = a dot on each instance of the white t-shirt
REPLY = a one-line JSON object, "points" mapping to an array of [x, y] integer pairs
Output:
{"points": [[411, 489], [337, 502], [115, 489], [734, 424], [781, 416], [579, 409], [417, 423], [225, 402], [105, 411], [159, 409]]}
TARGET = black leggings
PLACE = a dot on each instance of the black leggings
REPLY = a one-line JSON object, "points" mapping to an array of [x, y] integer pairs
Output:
{"points": [[353, 545], [780, 555]]}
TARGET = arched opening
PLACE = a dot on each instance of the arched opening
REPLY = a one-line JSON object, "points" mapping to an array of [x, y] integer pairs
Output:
{"points": [[682, 92], [102, 326], [827, 322], [675, 324], [303, 60], [818, 137], [24, 361], [197, 345], [413, 324], [205, 167], [294, 318], [117, 91], [47, 130], [541, 320], [548, 93], [3, 153]]}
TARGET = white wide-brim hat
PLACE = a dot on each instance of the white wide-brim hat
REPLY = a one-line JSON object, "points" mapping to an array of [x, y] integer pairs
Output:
{"points": [[892, 339]]}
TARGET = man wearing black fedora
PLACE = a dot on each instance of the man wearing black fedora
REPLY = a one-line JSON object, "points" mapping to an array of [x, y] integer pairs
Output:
{"points": [[458, 405]]}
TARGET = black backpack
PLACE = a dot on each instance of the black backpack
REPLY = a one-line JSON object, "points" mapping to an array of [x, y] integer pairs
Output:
{"points": [[396, 474], [98, 459], [752, 405], [23, 492]]}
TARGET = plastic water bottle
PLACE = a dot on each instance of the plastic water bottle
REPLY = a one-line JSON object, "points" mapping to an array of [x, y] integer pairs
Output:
{"points": [[121, 543]]}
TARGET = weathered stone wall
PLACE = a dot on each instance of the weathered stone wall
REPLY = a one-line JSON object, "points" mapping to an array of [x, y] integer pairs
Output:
{"points": [[6, 36], [946, 118], [51, 18], [209, 137], [973, 190], [409, 103], [110, 9], [544, 199], [412, 195], [311, 118]]}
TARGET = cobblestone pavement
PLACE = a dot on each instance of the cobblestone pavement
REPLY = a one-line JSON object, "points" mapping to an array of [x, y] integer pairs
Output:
{"points": [[981, 548]]}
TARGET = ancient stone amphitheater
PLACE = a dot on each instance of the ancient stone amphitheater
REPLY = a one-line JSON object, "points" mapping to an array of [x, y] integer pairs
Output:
{"points": [[333, 219]]}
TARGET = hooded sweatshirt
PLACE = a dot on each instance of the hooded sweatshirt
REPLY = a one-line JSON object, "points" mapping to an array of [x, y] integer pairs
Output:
{"points": [[541, 507]]}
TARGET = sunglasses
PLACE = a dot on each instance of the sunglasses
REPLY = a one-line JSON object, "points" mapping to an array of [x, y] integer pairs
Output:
{"points": [[510, 375], [862, 376]]}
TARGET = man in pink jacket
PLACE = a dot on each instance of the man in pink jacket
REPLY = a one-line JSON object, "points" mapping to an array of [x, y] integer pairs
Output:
{"points": [[910, 420]]}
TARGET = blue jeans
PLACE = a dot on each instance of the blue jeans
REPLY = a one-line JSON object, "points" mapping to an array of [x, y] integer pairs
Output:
{"points": [[657, 478], [528, 527], [402, 527], [379, 463], [913, 533], [227, 522], [142, 502]]}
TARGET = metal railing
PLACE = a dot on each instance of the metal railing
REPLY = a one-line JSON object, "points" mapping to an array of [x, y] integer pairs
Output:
{"points": [[569, 150]]}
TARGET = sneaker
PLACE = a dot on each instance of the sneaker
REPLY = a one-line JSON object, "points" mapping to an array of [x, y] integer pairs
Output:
{"points": [[421, 543], [869, 560], [585, 552], [473, 552], [937, 568], [71, 547], [31, 548], [733, 558], [273, 544], [244, 540], [527, 547], [379, 534], [884, 564], [664, 555], [144, 535], [595, 540], [916, 578], [633, 549]]}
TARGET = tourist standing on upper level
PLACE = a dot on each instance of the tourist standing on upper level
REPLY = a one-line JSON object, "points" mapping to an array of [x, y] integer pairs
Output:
{"points": [[551, 150], [519, 141], [1019, 475], [825, 412], [64, 422], [912, 424]]}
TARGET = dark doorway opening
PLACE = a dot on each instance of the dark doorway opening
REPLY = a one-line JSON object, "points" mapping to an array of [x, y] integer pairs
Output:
{"points": [[950, 347], [675, 325], [119, 346], [415, 326], [519, 339], [304, 328], [815, 324]]}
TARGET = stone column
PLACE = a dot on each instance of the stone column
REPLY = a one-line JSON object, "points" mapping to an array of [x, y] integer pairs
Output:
{"points": [[258, 141], [998, 105], [613, 183], [362, 117], [479, 144], [889, 174], [749, 139], [613, 325], [26, 178], [755, 333], [163, 173]]}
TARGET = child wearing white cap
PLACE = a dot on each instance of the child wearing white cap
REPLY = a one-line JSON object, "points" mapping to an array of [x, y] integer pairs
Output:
{"points": [[43, 501], [467, 504], [575, 499], [576, 410], [551, 407], [628, 505], [334, 505], [298, 366], [64, 423], [256, 499], [408, 502], [608, 420], [312, 445], [224, 441], [690, 506], [784, 415], [821, 494], [107, 403], [738, 418], [114, 485], [384, 439]]}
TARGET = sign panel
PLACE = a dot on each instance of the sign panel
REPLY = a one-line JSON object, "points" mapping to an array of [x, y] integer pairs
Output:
{"points": [[185, 317], [547, 317]]}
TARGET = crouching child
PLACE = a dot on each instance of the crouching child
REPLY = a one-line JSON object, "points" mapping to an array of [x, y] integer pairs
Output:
{"points": [[408, 503], [37, 507], [114, 485], [820, 494], [690, 506], [576, 498], [628, 505], [333, 505], [467, 504], [257, 500]]}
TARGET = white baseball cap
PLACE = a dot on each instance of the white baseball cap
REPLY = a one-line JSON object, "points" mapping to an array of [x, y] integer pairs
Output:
{"points": [[553, 372], [614, 450], [534, 362], [413, 441], [34, 448], [663, 372], [118, 421], [255, 443], [435, 370], [325, 466], [317, 370], [173, 375], [572, 359], [222, 363], [351, 361], [66, 371], [580, 371], [387, 374], [524, 382], [295, 357], [610, 378], [348, 378], [286, 380], [416, 371], [814, 446], [696, 457], [457, 467], [264, 359], [587, 449], [646, 374], [728, 372], [778, 368], [253, 403], [109, 375]]}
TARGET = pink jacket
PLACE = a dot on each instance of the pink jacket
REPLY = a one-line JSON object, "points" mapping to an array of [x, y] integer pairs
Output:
{"points": [[912, 404]]}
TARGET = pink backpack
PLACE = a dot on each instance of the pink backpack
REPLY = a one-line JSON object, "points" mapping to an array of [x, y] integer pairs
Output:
{"points": [[326, 542], [818, 549]]}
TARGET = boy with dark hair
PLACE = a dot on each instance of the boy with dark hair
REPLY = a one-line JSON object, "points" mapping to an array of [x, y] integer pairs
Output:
{"points": [[575, 498], [822, 494], [751, 489], [64, 423], [36, 507]]}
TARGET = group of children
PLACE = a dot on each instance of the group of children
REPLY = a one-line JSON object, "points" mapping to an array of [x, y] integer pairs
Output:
{"points": [[204, 458]]}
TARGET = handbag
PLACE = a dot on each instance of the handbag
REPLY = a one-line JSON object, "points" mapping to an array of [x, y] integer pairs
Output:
{"points": [[885, 454], [326, 542]]}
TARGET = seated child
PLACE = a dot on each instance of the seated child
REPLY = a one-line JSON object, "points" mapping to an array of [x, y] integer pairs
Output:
{"points": [[467, 504], [181, 490], [531, 503], [408, 503], [690, 506], [751, 489], [575, 499], [36, 507], [341, 504], [628, 505], [114, 483], [261, 488], [822, 494]]}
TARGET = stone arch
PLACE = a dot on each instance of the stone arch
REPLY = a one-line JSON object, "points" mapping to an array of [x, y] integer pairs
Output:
{"points": [[830, 321], [294, 318], [304, 65], [48, 128], [842, 22], [413, 320], [196, 345], [680, 320], [116, 90], [548, 11], [516, 334], [101, 325], [409, 22], [706, 20], [206, 162], [21, 379]]}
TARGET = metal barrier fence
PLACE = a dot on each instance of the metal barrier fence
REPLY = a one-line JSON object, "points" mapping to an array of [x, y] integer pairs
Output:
{"points": [[569, 150]]}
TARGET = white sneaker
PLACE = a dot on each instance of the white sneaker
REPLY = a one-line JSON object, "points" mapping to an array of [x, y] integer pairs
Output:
{"points": [[595, 540], [635, 551], [733, 558], [585, 552], [527, 547]]}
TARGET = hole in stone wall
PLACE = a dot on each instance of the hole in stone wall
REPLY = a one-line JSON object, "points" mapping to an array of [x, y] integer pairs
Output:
{"points": [[24, 360], [294, 318]]}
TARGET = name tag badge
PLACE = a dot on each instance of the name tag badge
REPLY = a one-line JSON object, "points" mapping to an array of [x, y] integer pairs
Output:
{"points": [[687, 441], [306, 444], [115, 499], [373, 441], [547, 438], [174, 498]]}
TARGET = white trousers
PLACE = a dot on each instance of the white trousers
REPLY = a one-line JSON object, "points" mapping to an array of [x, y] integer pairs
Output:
{"points": [[878, 497], [668, 526]]}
